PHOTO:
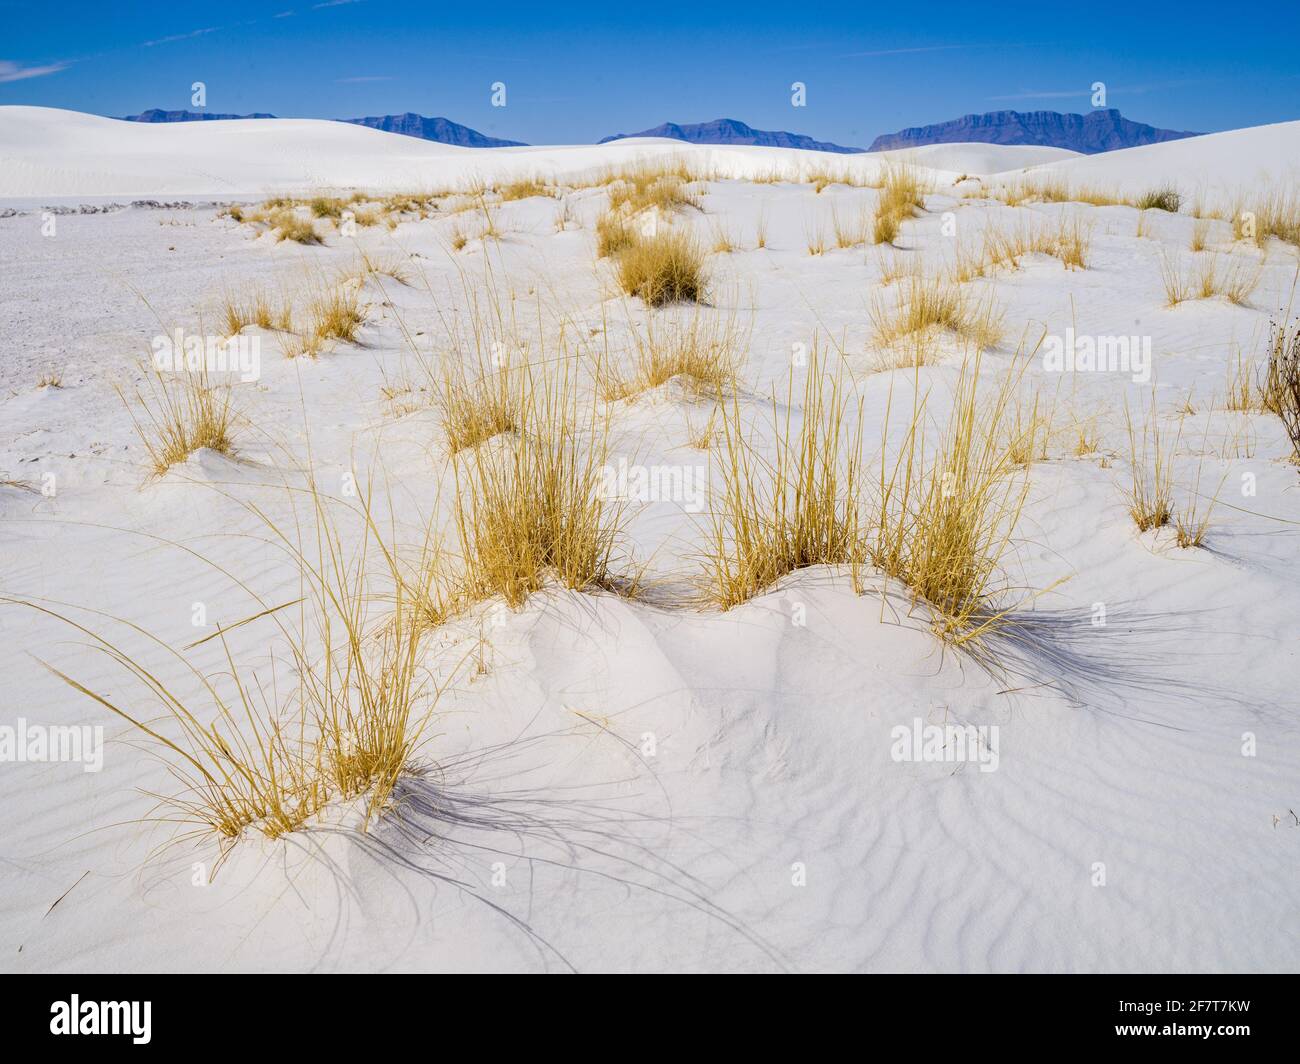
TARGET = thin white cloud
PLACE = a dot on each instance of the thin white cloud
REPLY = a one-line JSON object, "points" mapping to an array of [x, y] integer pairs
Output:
{"points": [[1068, 94], [181, 36], [362, 79], [11, 71], [335, 3]]}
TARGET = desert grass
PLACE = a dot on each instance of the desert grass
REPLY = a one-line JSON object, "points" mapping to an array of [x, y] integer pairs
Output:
{"points": [[255, 756], [524, 188], [532, 506], [924, 304], [800, 509], [1028, 427], [1208, 277], [614, 234], [1270, 211], [1192, 519], [1054, 188], [659, 186], [1150, 487], [1069, 240], [476, 406], [290, 225], [760, 231], [850, 232], [1200, 234], [1281, 388], [815, 238], [704, 353], [50, 378], [895, 266], [944, 520], [1165, 198], [901, 197], [393, 265], [180, 414], [723, 243], [254, 308], [667, 267], [333, 313]]}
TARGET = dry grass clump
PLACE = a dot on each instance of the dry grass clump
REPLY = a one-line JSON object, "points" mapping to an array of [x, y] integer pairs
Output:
{"points": [[50, 378], [524, 188], [804, 507], [333, 312], [924, 304], [327, 207], [1165, 198], [182, 414], [901, 197], [614, 233], [255, 308], [1200, 234], [723, 242], [1054, 188], [477, 407], [649, 185], [1281, 388], [1192, 520], [1150, 489], [1069, 241], [394, 266], [1207, 278], [533, 508], [1277, 213], [705, 353], [665, 268], [898, 267], [943, 520], [267, 757], [850, 233], [290, 225]]}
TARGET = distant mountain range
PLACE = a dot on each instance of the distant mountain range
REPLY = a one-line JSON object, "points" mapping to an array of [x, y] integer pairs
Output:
{"points": [[1097, 131], [731, 131], [156, 114], [442, 130]]}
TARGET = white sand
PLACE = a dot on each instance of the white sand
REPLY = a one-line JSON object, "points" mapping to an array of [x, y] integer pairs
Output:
{"points": [[772, 738]]}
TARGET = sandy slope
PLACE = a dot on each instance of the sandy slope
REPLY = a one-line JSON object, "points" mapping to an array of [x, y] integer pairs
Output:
{"points": [[773, 738]]}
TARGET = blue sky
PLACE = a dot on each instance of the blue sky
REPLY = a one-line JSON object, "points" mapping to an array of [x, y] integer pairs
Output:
{"points": [[575, 73]]}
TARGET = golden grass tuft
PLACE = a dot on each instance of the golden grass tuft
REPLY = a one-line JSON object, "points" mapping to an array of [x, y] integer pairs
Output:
{"points": [[1150, 488], [524, 188], [924, 303], [181, 414], [944, 520], [901, 197], [252, 756], [804, 507], [531, 507], [665, 268], [290, 225], [705, 353]]}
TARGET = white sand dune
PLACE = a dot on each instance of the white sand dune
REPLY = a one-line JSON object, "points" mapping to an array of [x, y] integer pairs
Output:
{"points": [[1130, 823], [54, 153]]}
